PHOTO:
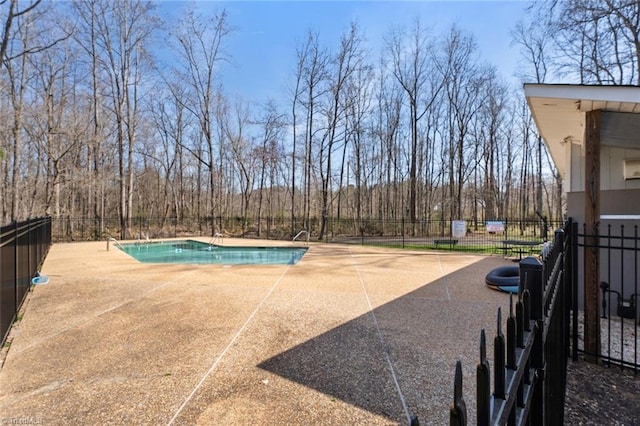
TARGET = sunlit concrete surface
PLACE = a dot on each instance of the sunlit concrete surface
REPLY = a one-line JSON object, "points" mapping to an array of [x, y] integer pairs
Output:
{"points": [[349, 335]]}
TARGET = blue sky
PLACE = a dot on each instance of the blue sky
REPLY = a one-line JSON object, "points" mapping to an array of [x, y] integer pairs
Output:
{"points": [[267, 33]]}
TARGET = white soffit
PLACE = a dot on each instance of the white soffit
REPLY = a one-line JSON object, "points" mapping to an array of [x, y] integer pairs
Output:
{"points": [[559, 111]]}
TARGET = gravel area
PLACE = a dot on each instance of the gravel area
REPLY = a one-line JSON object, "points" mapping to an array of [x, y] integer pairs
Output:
{"points": [[599, 395]]}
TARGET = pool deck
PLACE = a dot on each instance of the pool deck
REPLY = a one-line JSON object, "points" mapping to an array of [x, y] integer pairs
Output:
{"points": [[350, 335]]}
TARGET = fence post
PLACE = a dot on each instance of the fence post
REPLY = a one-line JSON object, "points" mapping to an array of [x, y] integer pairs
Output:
{"points": [[574, 288], [520, 323], [30, 254], [526, 308], [16, 265], [506, 229], [567, 246], [556, 342], [531, 280]]}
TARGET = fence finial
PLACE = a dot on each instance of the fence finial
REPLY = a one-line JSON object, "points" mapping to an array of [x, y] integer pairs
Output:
{"points": [[526, 305], [499, 360], [511, 337], [458, 411], [483, 385], [510, 304]]}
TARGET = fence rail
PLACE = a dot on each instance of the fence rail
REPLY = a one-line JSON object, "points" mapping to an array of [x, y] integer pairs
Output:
{"points": [[619, 257], [23, 247], [434, 234], [530, 362]]}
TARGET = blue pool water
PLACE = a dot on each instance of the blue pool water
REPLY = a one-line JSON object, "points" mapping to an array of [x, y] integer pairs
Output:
{"points": [[190, 251]]}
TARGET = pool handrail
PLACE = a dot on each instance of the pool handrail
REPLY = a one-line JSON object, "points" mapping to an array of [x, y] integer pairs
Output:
{"points": [[216, 237], [117, 243], [299, 234], [147, 239]]}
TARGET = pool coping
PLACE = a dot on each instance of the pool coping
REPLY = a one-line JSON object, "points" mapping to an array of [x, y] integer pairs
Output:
{"points": [[270, 249]]}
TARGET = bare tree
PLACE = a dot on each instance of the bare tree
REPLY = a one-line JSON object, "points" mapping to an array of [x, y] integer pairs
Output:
{"points": [[421, 133], [595, 41], [314, 62], [21, 36], [122, 30], [17, 75], [272, 126], [386, 129], [464, 78], [86, 36], [413, 67], [296, 94], [346, 62], [303, 54], [11, 11], [200, 47], [243, 151], [60, 123], [535, 43], [358, 108], [170, 123], [492, 117]]}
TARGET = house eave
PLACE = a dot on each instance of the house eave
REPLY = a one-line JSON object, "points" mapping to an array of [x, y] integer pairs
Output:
{"points": [[558, 111]]}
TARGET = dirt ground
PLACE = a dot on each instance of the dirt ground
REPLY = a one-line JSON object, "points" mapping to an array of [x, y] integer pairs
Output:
{"points": [[600, 395]]}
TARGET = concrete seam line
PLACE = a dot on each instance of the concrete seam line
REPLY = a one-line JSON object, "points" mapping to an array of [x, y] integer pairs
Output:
{"points": [[382, 340], [226, 349], [444, 278]]}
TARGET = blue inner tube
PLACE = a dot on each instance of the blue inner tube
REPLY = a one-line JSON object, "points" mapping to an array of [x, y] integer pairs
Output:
{"points": [[504, 278]]}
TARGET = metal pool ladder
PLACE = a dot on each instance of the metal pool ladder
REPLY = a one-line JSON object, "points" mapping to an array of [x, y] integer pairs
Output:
{"points": [[216, 237], [299, 234], [116, 242]]}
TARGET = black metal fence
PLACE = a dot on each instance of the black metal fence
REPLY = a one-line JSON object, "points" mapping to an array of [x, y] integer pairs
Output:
{"points": [[619, 252], [23, 247], [530, 363], [433, 234]]}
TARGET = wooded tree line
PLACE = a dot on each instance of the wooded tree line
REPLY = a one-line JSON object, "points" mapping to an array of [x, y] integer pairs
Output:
{"points": [[99, 122]]}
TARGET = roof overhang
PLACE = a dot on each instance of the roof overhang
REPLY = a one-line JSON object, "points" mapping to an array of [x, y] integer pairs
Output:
{"points": [[559, 113]]}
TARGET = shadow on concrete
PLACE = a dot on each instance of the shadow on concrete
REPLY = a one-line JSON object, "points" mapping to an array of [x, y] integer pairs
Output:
{"points": [[424, 332]]}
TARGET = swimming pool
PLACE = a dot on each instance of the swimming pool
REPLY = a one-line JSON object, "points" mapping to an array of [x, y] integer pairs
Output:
{"points": [[196, 252]]}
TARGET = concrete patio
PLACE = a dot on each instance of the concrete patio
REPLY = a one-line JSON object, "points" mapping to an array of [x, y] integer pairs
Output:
{"points": [[350, 335]]}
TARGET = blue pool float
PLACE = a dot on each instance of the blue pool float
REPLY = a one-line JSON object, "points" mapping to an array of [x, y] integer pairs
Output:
{"points": [[504, 278]]}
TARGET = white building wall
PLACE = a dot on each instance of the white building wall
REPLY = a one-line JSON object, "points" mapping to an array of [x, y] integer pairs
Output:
{"points": [[611, 168]]}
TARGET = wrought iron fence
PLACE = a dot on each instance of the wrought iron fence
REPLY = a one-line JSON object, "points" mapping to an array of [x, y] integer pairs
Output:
{"points": [[430, 234], [548, 324], [489, 237], [530, 363], [619, 252], [23, 247]]}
